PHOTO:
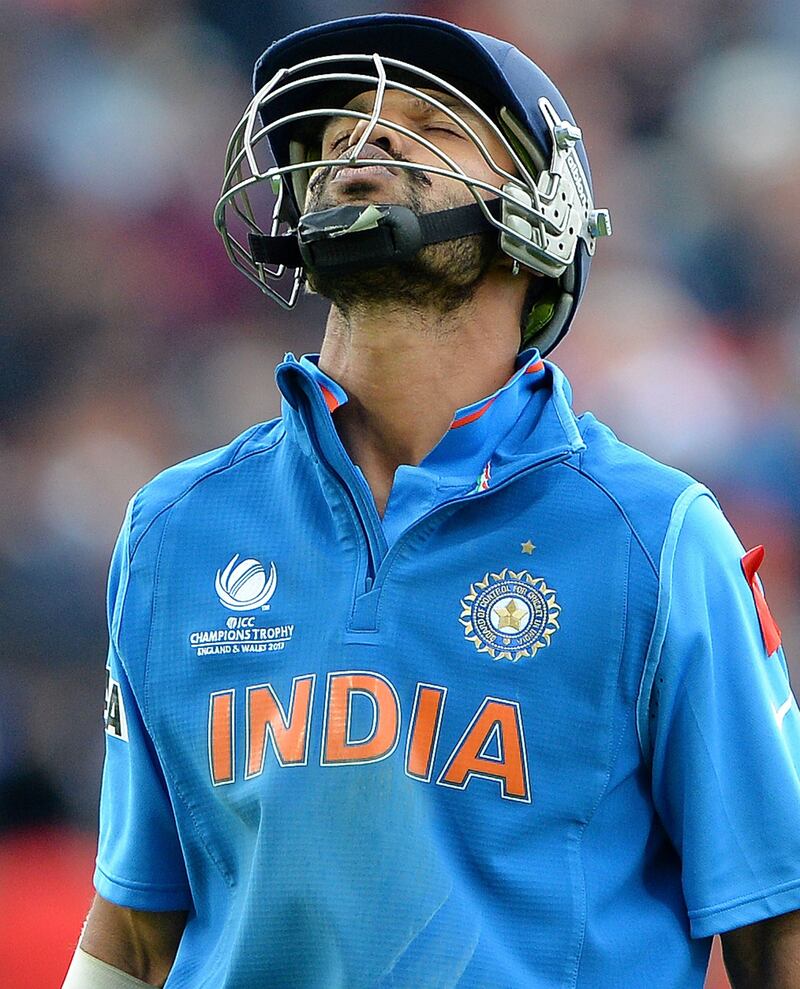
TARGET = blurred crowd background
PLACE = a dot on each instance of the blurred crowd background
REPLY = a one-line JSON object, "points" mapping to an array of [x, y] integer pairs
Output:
{"points": [[129, 342]]}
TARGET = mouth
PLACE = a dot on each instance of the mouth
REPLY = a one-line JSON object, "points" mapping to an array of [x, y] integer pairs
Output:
{"points": [[358, 173], [367, 177], [372, 160]]}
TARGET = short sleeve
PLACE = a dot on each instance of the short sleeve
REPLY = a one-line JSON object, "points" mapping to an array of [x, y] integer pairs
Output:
{"points": [[725, 736], [139, 861]]}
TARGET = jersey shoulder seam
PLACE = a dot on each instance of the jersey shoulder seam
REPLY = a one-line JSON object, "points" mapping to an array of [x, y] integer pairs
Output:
{"points": [[234, 461], [169, 776], [581, 470]]}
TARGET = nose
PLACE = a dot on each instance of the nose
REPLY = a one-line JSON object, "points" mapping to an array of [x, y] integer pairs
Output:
{"points": [[386, 138]]}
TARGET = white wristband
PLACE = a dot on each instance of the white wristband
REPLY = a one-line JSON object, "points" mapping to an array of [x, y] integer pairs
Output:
{"points": [[88, 972]]}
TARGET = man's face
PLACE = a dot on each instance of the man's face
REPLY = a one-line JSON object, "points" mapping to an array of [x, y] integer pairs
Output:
{"points": [[444, 275], [381, 183]]}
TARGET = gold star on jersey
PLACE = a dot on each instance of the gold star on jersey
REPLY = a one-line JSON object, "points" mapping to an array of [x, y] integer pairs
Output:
{"points": [[509, 614]]}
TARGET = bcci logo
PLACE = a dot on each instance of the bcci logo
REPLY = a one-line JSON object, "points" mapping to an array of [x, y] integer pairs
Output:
{"points": [[245, 586], [509, 615]]}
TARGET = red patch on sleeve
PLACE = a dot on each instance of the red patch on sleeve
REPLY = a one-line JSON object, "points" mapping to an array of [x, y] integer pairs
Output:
{"points": [[770, 632]]}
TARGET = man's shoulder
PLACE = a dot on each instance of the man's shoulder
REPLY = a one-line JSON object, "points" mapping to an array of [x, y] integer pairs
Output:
{"points": [[648, 493], [178, 483]]}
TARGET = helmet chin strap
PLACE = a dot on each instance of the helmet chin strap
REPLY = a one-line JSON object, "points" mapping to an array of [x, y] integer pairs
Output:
{"points": [[347, 238]]}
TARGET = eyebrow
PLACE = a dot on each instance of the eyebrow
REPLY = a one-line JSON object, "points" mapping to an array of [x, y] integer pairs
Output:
{"points": [[365, 102], [453, 102]]}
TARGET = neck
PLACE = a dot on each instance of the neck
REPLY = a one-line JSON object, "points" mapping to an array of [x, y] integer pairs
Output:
{"points": [[406, 371]]}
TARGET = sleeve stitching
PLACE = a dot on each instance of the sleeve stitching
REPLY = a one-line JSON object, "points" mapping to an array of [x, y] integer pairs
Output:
{"points": [[702, 912], [652, 660], [134, 884]]}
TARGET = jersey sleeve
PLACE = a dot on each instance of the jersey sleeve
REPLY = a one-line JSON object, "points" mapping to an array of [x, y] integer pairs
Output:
{"points": [[139, 861], [726, 735]]}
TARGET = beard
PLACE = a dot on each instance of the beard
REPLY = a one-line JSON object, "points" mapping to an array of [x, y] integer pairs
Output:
{"points": [[439, 278]]}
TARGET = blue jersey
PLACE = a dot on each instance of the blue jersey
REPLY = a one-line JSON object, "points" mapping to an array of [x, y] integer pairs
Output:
{"points": [[533, 728]]}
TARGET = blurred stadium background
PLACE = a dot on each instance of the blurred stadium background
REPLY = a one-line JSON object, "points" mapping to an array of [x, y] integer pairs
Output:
{"points": [[128, 341]]}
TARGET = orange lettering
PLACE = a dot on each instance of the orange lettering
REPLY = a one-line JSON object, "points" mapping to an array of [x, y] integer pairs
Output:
{"points": [[337, 745], [423, 733], [220, 736], [494, 719], [266, 719]]}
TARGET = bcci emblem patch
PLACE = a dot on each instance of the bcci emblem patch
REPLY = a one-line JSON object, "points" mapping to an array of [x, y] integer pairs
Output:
{"points": [[509, 615]]}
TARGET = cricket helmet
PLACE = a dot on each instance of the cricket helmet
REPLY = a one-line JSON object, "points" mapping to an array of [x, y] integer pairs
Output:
{"points": [[543, 212]]}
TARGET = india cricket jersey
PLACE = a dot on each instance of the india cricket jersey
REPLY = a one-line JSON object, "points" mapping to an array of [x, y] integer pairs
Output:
{"points": [[532, 728]]}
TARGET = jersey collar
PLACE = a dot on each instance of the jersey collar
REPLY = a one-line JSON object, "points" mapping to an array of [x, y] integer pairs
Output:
{"points": [[529, 414]]}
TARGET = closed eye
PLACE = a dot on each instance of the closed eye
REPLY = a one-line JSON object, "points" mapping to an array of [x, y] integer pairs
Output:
{"points": [[445, 130], [338, 142]]}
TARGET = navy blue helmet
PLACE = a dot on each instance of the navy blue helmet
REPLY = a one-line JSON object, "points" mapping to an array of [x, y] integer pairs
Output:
{"points": [[543, 211]]}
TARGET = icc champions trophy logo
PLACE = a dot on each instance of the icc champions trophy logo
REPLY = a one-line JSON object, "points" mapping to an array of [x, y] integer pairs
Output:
{"points": [[245, 586]]}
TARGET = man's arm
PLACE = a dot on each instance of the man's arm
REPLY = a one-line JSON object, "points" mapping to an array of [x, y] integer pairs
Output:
{"points": [[765, 955], [139, 942]]}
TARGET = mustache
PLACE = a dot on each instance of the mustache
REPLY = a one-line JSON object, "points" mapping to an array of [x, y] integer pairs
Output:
{"points": [[414, 177]]}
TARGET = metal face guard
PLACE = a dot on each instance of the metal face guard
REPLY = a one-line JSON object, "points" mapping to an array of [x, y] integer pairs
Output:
{"points": [[565, 202], [542, 218]]}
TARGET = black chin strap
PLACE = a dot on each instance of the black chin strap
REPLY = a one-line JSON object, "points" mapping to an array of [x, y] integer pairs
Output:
{"points": [[459, 221], [345, 237]]}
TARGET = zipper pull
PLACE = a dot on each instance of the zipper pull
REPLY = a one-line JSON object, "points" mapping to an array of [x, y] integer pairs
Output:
{"points": [[368, 583]]}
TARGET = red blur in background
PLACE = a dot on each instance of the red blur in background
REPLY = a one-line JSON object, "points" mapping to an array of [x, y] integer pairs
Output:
{"points": [[45, 892]]}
